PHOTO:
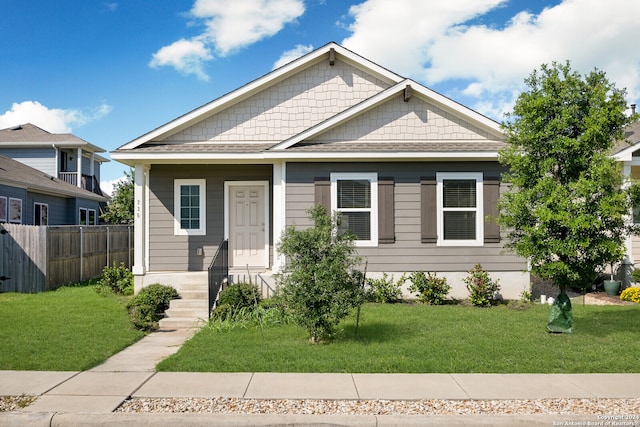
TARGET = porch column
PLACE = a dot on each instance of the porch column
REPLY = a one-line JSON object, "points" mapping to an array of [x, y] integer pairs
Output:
{"points": [[79, 167], [279, 209], [628, 261], [140, 228]]}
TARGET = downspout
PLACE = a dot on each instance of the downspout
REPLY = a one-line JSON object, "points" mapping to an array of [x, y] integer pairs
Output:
{"points": [[79, 166], [55, 150]]}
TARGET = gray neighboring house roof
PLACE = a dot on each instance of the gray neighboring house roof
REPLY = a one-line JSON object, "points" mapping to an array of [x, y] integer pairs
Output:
{"points": [[16, 174], [30, 135]]}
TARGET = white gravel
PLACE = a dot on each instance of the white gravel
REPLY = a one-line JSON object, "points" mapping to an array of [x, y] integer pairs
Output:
{"points": [[15, 403], [383, 407]]}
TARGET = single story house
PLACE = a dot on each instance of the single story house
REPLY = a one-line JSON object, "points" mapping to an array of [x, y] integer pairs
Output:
{"points": [[414, 174], [30, 196]]}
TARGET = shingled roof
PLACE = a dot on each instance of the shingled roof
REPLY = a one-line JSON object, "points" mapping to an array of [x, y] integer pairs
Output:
{"points": [[30, 134], [14, 173]]}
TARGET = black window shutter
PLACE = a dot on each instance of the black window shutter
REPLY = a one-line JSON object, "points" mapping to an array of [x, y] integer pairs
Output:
{"points": [[323, 193], [428, 211], [386, 211], [491, 193]]}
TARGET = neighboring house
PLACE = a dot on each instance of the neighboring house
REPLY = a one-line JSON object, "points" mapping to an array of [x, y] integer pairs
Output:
{"points": [[63, 156], [628, 153], [414, 174], [32, 197]]}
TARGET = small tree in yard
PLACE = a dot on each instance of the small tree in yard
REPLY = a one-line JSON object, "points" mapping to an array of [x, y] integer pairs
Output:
{"points": [[120, 207], [569, 205], [319, 281]]}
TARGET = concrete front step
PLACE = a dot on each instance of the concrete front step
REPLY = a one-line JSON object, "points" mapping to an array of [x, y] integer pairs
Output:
{"points": [[195, 295], [194, 287], [196, 304], [170, 323], [187, 312]]}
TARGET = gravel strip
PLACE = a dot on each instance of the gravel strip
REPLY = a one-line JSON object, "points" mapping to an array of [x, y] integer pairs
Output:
{"points": [[14, 403], [383, 407]]}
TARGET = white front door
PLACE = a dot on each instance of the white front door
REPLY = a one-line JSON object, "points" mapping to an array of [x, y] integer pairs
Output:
{"points": [[247, 226]]}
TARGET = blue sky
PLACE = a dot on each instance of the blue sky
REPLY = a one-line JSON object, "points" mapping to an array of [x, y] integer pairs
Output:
{"points": [[110, 71]]}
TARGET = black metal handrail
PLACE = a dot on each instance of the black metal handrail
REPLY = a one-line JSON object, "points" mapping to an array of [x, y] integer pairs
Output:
{"points": [[218, 272]]}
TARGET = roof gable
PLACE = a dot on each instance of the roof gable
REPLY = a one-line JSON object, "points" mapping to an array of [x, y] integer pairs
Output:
{"points": [[331, 55], [287, 107], [407, 111]]}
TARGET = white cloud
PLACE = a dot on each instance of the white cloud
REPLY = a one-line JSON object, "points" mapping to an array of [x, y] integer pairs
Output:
{"points": [[229, 25], [54, 120], [108, 187], [292, 54], [186, 56], [434, 42]]}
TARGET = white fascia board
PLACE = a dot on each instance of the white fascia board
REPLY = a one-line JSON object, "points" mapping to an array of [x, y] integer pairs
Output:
{"points": [[185, 157], [273, 156], [388, 156], [626, 155]]}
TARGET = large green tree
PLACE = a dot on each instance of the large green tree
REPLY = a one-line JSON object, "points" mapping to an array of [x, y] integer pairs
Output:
{"points": [[569, 205], [120, 208]]}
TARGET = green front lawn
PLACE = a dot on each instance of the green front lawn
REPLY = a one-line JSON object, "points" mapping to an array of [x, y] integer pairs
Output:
{"points": [[420, 338], [70, 329]]}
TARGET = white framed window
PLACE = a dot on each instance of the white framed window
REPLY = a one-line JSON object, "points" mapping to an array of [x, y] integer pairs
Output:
{"points": [[15, 210], [355, 196], [88, 217], [460, 209], [189, 207], [40, 214]]}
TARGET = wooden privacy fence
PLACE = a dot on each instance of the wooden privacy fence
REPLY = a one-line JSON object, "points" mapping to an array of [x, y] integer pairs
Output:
{"points": [[42, 258]]}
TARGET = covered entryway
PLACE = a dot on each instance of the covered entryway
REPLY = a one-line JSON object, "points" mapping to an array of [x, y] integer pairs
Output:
{"points": [[247, 223]]}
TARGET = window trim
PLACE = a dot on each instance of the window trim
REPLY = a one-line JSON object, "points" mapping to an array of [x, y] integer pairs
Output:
{"points": [[46, 219], [87, 213], [177, 230], [15, 204], [372, 177], [479, 209]]}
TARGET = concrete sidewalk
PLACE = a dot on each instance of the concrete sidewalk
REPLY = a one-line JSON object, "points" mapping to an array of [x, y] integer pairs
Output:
{"points": [[89, 398]]}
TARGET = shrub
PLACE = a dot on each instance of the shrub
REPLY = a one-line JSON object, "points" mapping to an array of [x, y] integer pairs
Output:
{"points": [[147, 308], [239, 296], [118, 278], [319, 281], [429, 288], [631, 294], [635, 275], [482, 289], [383, 290]]}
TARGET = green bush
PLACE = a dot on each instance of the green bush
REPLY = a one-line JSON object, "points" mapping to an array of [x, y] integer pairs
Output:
{"points": [[319, 282], [635, 275], [383, 290], [118, 279], [148, 307], [482, 289], [429, 288], [631, 294], [240, 295]]}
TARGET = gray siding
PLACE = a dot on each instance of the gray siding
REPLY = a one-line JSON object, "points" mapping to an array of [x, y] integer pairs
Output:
{"points": [[42, 159], [407, 253], [168, 252]]}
